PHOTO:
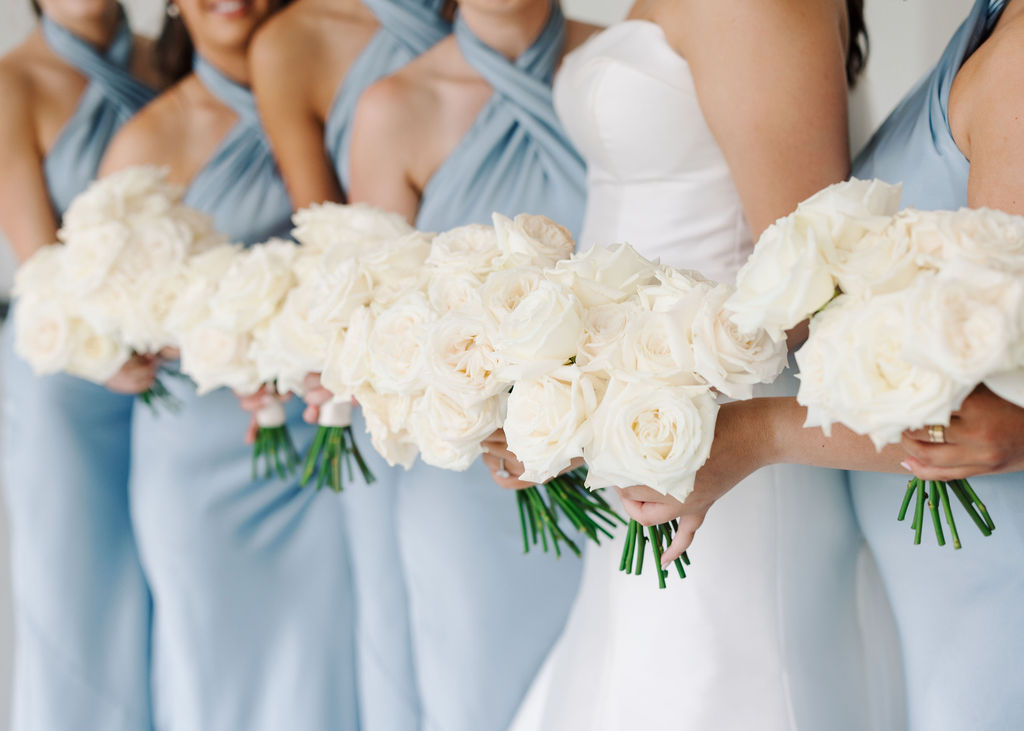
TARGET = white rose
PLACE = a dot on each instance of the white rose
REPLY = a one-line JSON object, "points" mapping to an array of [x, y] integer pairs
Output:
{"points": [[454, 291], [656, 346], [387, 418], [844, 212], [461, 358], [965, 321], [989, 237], [347, 366], [503, 291], [532, 240], [785, 280], [604, 331], [853, 371], [44, 332], [202, 277], [139, 190], [548, 421], [542, 333], [91, 254], [673, 288], [215, 356], [154, 295], [339, 287], [396, 357], [449, 432], [605, 274], [472, 248], [729, 360], [291, 344], [254, 285], [354, 229], [96, 357], [650, 434], [42, 272], [397, 267], [877, 262]]}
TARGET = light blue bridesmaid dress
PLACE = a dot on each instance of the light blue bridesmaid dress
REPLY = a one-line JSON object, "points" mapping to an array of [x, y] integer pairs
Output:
{"points": [[252, 607], [82, 608], [958, 613], [388, 692], [484, 616]]}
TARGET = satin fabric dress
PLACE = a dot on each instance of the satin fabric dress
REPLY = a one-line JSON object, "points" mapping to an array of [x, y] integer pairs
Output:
{"points": [[763, 632], [483, 614], [388, 690], [81, 605], [252, 600], [958, 612]]}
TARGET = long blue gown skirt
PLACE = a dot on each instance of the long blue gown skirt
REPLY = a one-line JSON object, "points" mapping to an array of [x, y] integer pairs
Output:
{"points": [[388, 689], [958, 613], [253, 616], [484, 616], [81, 605]]}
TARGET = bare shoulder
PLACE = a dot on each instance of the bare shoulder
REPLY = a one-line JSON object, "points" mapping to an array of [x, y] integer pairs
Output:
{"points": [[154, 136], [577, 33], [15, 83], [988, 92]]}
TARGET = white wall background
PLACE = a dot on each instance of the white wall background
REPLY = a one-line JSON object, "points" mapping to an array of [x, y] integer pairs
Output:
{"points": [[907, 37]]}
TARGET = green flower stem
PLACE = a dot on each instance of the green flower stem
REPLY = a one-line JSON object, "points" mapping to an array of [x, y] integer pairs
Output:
{"points": [[333, 458], [965, 500], [641, 549], [911, 486], [981, 506], [520, 501], [944, 498], [158, 395], [918, 513], [933, 508], [275, 449], [660, 538], [656, 545], [631, 545]]}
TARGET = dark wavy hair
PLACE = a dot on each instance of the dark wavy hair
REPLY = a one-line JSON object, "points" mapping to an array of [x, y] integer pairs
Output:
{"points": [[857, 48], [173, 50], [36, 9]]}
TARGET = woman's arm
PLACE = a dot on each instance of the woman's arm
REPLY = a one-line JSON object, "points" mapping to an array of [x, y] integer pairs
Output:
{"points": [[26, 215], [284, 96]]}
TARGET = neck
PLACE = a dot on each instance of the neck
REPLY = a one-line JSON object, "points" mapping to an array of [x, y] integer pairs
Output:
{"points": [[97, 31], [509, 32], [233, 63]]}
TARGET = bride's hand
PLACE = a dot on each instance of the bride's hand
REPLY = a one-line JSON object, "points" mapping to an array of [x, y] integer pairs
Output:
{"points": [[136, 375], [650, 507], [985, 435]]}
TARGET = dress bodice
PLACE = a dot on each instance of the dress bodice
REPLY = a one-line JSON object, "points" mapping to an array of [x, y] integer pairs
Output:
{"points": [[915, 145], [656, 177], [239, 186], [112, 96], [516, 157], [407, 29]]}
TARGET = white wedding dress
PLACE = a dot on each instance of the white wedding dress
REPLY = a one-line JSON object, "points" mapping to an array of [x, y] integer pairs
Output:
{"points": [[763, 633]]}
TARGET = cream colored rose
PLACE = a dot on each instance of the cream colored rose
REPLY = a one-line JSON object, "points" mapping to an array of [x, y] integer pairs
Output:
{"points": [[203, 274], [965, 322], [878, 262], [605, 274], [543, 332], [472, 248], [604, 335], [785, 280], [397, 267], [646, 433], [460, 356], [339, 287], [529, 240], [291, 344], [503, 291], [854, 372], [656, 346], [454, 291], [91, 255], [548, 421], [448, 432], [135, 191], [988, 237], [843, 213], [254, 286], [96, 357], [729, 360], [347, 366], [396, 356], [44, 331], [215, 356], [42, 272], [353, 229], [674, 288], [387, 419]]}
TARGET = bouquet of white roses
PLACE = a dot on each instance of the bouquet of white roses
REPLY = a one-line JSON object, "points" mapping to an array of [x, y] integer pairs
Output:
{"points": [[909, 311], [229, 294], [344, 257], [615, 359], [107, 292]]}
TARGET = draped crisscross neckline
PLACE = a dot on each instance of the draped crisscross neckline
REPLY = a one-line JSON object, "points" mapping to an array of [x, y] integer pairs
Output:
{"points": [[231, 93]]}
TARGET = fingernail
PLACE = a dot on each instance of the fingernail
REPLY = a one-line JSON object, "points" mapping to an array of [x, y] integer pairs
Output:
{"points": [[906, 465]]}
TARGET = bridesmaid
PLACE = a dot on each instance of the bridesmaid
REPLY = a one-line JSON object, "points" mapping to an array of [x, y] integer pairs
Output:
{"points": [[253, 616], [955, 140], [466, 129], [308, 119], [81, 604]]}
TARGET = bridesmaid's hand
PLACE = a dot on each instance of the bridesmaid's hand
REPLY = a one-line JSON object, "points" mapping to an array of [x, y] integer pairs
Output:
{"points": [[252, 403], [505, 468], [316, 396], [136, 375], [985, 435]]}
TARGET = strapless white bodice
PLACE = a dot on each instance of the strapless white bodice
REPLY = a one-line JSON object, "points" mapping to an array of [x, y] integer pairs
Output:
{"points": [[656, 176]]}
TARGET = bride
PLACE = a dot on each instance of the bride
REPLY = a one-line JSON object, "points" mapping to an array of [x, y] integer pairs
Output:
{"points": [[701, 123]]}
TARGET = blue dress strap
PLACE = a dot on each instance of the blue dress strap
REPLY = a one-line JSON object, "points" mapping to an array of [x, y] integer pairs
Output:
{"points": [[516, 157], [112, 96], [240, 185], [407, 29]]}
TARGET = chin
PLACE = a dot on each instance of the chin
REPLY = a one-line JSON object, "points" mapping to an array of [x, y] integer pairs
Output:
{"points": [[224, 23], [499, 6], [78, 9]]}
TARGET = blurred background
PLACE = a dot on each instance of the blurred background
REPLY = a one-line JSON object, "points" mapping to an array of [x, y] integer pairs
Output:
{"points": [[907, 37]]}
